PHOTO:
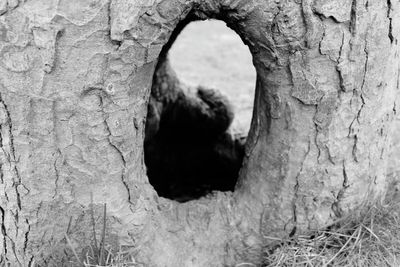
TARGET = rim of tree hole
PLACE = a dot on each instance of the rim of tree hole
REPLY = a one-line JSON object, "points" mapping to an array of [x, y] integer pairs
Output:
{"points": [[74, 98], [189, 152]]}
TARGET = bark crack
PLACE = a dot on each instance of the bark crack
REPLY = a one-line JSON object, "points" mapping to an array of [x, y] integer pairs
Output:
{"points": [[357, 118], [57, 173], [335, 206], [110, 142], [354, 150], [389, 9], [8, 148], [26, 236], [353, 18], [365, 66], [341, 80], [296, 190], [11, 155], [398, 77], [3, 232], [317, 132], [114, 42]]}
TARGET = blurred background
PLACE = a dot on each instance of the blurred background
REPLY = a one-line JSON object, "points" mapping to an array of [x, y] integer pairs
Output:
{"points": [[209, 53]]}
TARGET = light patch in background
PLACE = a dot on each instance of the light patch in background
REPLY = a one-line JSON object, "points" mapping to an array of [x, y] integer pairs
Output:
{"points": [[209, 53]]}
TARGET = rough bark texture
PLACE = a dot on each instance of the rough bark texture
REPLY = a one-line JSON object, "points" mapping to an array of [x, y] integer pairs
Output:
{"points": [[75, 78]]}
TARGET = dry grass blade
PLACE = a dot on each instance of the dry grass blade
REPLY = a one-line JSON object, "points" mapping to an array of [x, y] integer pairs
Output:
{"points": [[341, 249], [103, 236], [369, 238], [370, 231], [93, 221], [73, 249], [245, 264]]}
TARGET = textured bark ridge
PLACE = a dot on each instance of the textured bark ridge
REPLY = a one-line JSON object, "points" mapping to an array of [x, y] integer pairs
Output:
{"points": [[75, 79]]}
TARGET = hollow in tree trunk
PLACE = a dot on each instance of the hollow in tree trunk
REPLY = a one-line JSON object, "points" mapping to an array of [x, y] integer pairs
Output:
{"points": [[75, 85]]}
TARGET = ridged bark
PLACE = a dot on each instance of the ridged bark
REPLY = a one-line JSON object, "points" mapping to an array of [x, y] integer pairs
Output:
{"points": [[75, 78]]}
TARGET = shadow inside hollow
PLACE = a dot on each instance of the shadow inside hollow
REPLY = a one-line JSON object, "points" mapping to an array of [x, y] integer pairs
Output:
{"points": [[192, 154]]}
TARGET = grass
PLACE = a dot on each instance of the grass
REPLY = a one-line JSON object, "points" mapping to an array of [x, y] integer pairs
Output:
{"points": [[370, 237], [110, 259], [102, 255], [118, 259]]}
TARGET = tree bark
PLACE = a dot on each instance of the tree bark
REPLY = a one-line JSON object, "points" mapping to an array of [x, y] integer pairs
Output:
{"points": [[75, 82]]}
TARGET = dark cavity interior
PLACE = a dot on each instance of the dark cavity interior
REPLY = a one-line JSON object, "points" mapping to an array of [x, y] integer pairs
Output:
{"points": [[190, 146]]}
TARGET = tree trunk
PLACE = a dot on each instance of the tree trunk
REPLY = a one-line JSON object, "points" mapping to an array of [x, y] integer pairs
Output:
{"points": [[75, 83]]}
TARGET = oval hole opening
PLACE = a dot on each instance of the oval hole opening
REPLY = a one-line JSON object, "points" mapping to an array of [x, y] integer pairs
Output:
{"points": [[199, 112]]}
